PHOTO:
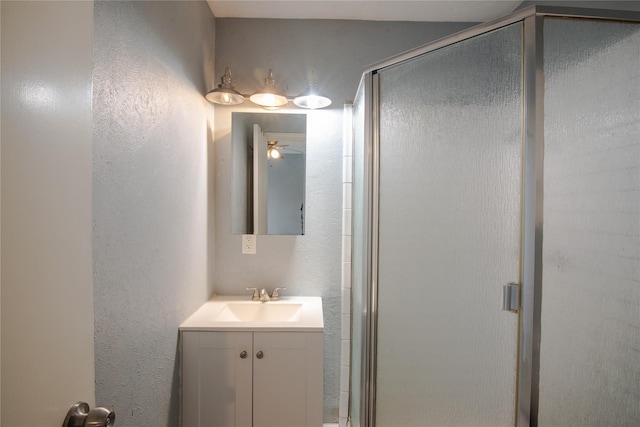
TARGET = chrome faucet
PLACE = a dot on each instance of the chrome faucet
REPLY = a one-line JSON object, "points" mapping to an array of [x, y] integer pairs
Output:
{"points": [[256, 294], [263, 295], [274, 294]]}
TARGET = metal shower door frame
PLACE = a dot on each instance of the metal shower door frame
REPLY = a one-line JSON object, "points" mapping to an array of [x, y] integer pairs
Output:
{"points": [[528, 364]]}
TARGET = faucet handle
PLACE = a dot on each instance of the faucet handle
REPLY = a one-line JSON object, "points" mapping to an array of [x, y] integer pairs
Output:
{"points": [[256, 295], [274, 294]]}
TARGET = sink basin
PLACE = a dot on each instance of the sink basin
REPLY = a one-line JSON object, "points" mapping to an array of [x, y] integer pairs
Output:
{"points": [[239, 313], [259, 312]]}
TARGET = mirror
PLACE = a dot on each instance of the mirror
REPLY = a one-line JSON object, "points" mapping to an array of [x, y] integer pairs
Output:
{"points": [[268, 153]]}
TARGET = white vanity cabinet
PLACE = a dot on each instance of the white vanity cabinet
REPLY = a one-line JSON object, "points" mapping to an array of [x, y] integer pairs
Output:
{"points": [[251, 378]]}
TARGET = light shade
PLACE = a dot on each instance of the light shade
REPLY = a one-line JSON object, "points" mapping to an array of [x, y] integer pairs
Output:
{"points": [[225, 93], [312, 99], [269, 96]]}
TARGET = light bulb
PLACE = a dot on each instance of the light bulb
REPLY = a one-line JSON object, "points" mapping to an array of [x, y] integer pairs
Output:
{"points": [[225, 93], [269, 97], [311, 99], [313, 102]]}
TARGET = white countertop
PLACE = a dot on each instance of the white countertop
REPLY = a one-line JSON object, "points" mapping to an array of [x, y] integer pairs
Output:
{"points": [[217, 314]]}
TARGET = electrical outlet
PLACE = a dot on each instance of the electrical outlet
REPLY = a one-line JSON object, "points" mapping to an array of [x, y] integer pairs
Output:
{"points": [[249, 244]]}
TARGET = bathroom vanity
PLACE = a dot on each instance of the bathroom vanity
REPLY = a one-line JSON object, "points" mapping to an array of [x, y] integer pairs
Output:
{"points": [[249, 363]]}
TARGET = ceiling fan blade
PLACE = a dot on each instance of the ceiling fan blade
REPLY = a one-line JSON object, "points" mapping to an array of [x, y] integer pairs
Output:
{"points": [[292, 150]]}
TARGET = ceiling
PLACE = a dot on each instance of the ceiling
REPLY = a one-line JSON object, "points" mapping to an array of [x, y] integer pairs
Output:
{"points": [[374, 10]]}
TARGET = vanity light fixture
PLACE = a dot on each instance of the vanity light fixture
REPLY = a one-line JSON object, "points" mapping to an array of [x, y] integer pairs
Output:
{"points": [[225, 93], [312, 99], [269, 97]]}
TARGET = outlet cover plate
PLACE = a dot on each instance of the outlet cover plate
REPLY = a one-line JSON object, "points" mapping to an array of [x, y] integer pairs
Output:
{"points": [[249, 244]]}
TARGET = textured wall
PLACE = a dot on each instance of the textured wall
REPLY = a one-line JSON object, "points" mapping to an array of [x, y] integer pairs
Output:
{"points": [[337, 52], [47, 335], [152, 131]]}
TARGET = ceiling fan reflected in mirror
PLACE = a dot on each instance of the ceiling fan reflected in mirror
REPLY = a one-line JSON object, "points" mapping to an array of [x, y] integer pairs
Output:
{"points": [[274, 150]]}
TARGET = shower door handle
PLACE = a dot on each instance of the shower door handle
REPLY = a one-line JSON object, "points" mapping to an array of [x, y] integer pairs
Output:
{"points": [[511, 297]]}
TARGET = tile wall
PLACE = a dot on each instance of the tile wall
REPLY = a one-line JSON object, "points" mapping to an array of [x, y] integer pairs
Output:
{"points": [[347, 162]]}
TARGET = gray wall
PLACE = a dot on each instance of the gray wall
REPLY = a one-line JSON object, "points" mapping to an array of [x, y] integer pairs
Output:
{"points": [[337, 52], [153, 61]]}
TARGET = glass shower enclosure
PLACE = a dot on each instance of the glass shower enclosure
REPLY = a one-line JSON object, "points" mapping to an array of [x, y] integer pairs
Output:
{"points": [[496, 227]]}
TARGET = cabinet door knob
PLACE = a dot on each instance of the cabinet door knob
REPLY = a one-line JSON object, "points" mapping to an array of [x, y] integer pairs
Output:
{"points": [[243, 355], [260, 355]]}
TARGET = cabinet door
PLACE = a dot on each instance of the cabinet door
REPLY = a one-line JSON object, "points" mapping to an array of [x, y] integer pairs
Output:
{"points": [[287, 379], [216, 380]]}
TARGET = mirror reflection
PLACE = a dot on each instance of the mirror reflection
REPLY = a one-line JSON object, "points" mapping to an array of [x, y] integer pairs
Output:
{"points": [[268, 152]]}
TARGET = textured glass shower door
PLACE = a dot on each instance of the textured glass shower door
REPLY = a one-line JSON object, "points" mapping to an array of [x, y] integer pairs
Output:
{"points": [[359, 259], [449, 234], [590, 317]]}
